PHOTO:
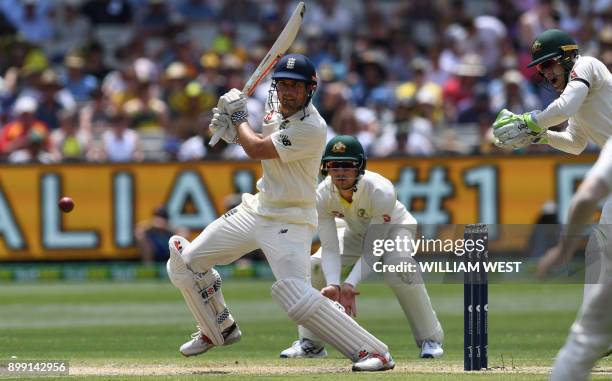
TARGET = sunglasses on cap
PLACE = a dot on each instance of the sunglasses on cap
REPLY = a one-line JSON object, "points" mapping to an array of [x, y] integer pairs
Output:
{"points": [[342, 164]]}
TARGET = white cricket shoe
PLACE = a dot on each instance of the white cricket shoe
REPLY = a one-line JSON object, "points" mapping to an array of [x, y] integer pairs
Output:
{"points": [[431, 350], [200, 343], [304, 348], [374, 362]]}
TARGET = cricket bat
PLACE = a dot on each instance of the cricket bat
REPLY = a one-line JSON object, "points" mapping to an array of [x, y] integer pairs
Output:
{"points": [[280, 46]]}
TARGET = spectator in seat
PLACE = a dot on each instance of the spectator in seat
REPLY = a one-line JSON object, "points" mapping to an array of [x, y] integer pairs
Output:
{"points": [[69, 142], [14, 136], [121, 143], [80, 84]]}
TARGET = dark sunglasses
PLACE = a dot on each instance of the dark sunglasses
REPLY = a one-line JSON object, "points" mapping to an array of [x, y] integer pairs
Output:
{"points": [[545, 65], [342, 164]]}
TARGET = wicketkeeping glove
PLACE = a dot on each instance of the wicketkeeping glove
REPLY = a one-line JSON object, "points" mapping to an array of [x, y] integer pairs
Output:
{"points": [[516, 131], [221, 122], [234, 102]]}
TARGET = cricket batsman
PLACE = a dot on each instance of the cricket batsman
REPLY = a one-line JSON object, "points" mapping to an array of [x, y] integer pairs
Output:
{"points": [[585, 102], [348, 202], [280, 219]]}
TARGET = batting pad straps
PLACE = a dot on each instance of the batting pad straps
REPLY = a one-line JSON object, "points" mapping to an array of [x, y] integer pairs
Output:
{"points": [[202, 293], [321, 316]]}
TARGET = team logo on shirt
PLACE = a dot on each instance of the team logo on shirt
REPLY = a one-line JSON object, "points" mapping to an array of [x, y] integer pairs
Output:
{"points": [[386, 218], [269, 116], [285, 140], [573, 74], [337, 214], [339, 148], [362, 213]]}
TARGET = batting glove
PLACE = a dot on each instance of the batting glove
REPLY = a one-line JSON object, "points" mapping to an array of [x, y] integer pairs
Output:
{"points": [[234, 102], [221, 124]]}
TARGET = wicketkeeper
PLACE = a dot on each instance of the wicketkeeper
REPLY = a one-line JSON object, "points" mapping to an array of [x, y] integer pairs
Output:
{"points": [[280, 219], [348, 202], [585, 85], [585, 101]]}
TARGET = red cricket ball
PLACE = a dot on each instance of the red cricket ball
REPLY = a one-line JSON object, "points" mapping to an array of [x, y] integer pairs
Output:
{"points": [[66, 204]]}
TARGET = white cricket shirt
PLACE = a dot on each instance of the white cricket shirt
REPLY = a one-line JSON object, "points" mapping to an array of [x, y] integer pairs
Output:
{"points": [[587, 102], [287, 189], [374, 202]]}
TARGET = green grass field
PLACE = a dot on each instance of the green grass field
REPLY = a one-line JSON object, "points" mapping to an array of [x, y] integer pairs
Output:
{"points": [[119, 331]]}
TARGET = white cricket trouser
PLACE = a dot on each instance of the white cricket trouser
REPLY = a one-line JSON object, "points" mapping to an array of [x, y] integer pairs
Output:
{"points": [[408, 288], [287, 249], [599, 268], [239, 231], [590, 337], [591, 334]]}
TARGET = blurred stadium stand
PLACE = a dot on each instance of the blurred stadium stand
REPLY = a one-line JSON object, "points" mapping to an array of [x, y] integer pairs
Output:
{"points": [[451, 64]]}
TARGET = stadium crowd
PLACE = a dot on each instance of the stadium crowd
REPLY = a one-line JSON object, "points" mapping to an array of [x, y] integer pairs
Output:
{"points": [[133, 80]]}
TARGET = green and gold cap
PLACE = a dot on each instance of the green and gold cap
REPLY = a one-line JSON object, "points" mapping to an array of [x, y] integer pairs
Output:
{"points": [[551, 44], [344, 148]]}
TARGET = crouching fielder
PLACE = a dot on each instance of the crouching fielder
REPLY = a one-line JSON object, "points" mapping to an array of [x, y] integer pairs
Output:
{"points": [[357, 198], [280, 219]]}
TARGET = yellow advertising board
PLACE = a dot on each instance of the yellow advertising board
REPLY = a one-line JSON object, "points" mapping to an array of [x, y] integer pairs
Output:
{"points": [[111, 199]]}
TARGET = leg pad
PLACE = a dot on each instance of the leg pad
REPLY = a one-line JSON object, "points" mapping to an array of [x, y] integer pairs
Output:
{"points": [[201, 291], [306, 306]]}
